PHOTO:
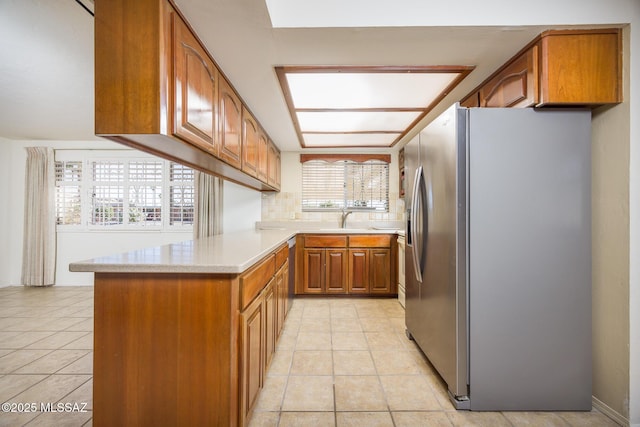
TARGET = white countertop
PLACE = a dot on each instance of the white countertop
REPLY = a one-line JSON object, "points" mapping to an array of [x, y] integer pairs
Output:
{"points": [[224, 253]]}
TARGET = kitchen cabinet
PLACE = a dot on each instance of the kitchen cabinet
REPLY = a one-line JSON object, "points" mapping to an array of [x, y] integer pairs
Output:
{"points": [[158, 90], [401, 172], [324, 268], [325, 271], [273, 160], [187, 348], [250, 142], [253, 345], [516, 85], [381, 279], [358, 271], [370, 265], [263, 157], [282, 289], [472, 100], [230, 124], [271, 295], [347, 264], [194, 88], [558, 68]]}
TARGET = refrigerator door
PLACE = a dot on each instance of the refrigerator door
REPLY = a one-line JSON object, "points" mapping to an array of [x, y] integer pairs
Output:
{"points": [[418, 230], [442, 155], [530, 259]]}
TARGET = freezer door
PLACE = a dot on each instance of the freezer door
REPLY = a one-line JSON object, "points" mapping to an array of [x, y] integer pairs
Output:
{"points": [[442, 154]]}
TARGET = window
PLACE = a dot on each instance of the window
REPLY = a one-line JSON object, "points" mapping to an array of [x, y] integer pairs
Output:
{"points": [[345, 184], [68, 180], [115, 193]]}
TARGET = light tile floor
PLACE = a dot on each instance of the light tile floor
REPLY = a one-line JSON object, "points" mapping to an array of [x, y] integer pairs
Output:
{"points": [[347, 362], [46, 355], [339, 362]]}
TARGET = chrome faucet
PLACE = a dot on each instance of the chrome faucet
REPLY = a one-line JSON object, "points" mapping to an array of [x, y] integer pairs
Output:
{"points": [[345, 214]]}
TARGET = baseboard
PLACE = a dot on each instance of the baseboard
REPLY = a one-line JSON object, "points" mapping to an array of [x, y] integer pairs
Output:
{"points": [[609, 412]]}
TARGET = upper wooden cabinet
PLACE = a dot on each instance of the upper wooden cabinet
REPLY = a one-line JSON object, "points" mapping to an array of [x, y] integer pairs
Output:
{"points": [[581, 67], [250, 135], [157, 89], [194, 89], [273, 166], [558, 68], [263, 153], [516, 85], [230, 124]]}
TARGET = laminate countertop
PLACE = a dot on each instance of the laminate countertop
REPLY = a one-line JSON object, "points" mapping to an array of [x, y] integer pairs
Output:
{"points": [[229, 253], [224, 253]]}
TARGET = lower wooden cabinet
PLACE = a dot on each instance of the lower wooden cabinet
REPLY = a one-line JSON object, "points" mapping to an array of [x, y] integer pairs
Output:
{"points": [[252, 357], [370, 271], [358, 271], [271, 320], [261, 323], [347, 264], [380, 272], [335, 271]]}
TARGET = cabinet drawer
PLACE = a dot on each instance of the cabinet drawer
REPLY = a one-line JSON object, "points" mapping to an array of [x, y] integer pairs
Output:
{"points": [[281, 255], [255, 279], [370, 241], [325, 241]]}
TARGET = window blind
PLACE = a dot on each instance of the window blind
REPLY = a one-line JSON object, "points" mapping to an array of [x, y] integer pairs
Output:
{"points": [[113, 193], [68, 195], [345, 185]]}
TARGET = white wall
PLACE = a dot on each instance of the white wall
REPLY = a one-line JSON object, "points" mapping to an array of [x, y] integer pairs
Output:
{"points": [[241, 208], [5, 211]]}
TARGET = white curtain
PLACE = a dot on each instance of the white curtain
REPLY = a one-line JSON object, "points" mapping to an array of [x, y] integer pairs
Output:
{"points": [[39, 247], [208, 215]]}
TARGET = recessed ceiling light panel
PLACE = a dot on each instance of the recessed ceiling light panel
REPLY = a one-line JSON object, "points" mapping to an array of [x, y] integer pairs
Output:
{"points": [[362, 106]]}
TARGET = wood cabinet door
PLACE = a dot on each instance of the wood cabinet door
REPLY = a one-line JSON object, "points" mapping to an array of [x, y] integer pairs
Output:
{"points": [[230, 124], [471, 101], [253, 345], [250, 138], [380, 271], [313, 271], [271, 320], [578, 69], [281, 292], [514, 86], [335, 271], [278, 171], [273, 158], [358, 271], [285, 292], [263, 157], [194, 84]]}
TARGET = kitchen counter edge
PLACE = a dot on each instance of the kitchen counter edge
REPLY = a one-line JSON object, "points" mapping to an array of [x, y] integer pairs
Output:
{"points": [[229, 253]]}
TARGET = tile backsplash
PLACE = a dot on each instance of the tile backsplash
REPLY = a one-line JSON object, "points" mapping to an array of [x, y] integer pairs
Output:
{"points": [[287, 206]]}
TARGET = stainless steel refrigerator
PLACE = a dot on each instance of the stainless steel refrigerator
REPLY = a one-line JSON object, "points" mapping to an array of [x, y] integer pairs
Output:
{"points": [[498, 256]]}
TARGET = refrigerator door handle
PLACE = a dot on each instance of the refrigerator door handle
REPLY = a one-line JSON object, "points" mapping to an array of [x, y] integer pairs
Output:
{"points": [[414, 220]]}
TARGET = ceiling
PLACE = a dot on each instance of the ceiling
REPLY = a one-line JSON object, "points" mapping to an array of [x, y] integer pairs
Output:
{"points": [[46, 75]]}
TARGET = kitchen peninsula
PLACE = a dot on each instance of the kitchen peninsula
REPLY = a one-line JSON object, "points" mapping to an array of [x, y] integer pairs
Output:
{"points": [[184, 333]]}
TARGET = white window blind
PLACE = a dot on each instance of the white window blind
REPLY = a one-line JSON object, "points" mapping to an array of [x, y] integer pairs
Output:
{"points": [[130, 193], [181, 194], [68, 192], [345, 185]]}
